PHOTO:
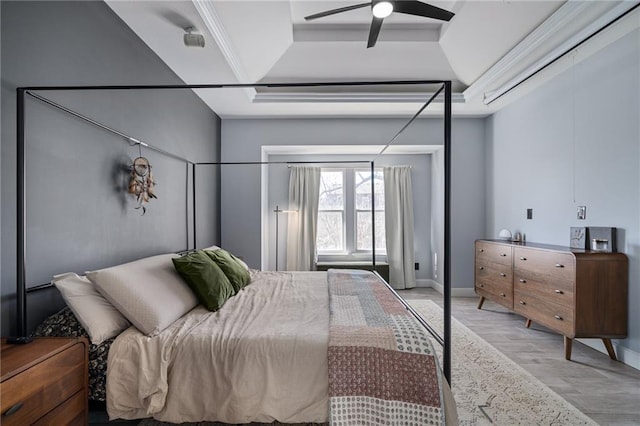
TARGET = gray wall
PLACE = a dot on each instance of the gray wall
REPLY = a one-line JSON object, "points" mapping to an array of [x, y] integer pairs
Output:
{"points": [[574, 141], [243, 140], [79, 216]]}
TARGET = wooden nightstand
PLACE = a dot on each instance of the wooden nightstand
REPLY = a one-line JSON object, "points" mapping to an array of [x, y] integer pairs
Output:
{"points": [[45, 382]]}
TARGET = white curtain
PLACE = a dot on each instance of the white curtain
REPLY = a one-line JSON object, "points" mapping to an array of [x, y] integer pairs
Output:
{"points": [[304, 192], [398, 211]]}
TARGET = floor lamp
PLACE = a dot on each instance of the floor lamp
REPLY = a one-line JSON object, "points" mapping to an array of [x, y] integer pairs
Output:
{"points": [[277, 212]]}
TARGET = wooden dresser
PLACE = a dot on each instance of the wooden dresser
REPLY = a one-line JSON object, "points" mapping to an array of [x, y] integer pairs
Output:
{"points": [[577, 293], [45, 382]]}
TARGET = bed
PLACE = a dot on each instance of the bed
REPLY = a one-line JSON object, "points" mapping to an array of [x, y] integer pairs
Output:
{"points": [[266, 356], [148, 358]]}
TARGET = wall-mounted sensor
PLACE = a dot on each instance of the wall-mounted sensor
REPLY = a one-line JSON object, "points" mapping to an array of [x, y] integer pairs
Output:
{"points": [[193, 40], [529, 213]]}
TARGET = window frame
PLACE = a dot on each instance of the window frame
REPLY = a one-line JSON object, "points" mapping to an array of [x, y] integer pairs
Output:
{"points": [[381, 251], [342, 251]]}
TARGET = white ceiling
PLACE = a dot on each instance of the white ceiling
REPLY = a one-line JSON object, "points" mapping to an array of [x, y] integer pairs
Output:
{"points": [[484, 46]]}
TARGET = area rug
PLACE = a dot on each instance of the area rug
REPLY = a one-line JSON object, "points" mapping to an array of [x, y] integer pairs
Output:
{"points": [[489, 388]]}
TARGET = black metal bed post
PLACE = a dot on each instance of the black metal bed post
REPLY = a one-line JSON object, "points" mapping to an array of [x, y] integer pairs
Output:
{"points": [[186, 207], [447, 232], [21, 248], [195, 238], [373, 217]]}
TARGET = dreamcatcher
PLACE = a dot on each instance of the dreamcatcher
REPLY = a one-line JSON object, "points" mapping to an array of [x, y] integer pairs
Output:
{"points": [[141, 183]]}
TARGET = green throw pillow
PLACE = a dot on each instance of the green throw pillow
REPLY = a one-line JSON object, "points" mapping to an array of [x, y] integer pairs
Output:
{"points": [[232, 268], [210, 285]]}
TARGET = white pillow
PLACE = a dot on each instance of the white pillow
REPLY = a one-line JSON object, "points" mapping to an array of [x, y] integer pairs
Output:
{"points": [[242, 262], [149, 292], [98, 317]]}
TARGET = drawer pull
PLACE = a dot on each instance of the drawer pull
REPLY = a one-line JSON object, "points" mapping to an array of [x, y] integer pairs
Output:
{"points": [[481, 250], [481, 285], [523, 258], [522, 302], [522, 281], [559, 265], [558, 317], [482, 268], [503, 295], [502, 274], [559, 291], [13, 409], [503, 254]]}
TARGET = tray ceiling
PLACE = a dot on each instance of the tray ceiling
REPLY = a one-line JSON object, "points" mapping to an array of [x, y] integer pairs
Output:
{"points": [[269, 41]]}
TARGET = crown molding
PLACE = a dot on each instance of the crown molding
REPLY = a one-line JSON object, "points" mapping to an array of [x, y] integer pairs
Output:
{"points": [[560, 19], [213, 22], [310, 97], [571, 44]]}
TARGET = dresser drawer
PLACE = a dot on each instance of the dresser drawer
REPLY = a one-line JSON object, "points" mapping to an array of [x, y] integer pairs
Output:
{"points": [[491, 252], [556, 291], [500, 296], [552, 315], [43, 386], [495, 285], [544, 265], [70, 413], [489, 271]]}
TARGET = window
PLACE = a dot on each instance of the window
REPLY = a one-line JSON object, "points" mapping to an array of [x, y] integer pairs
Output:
{"points": [[363, 210], [331, 229], [344, 213]]}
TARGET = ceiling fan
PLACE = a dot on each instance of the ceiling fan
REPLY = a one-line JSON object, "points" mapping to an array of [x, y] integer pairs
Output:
{"points": [[383, 8]]}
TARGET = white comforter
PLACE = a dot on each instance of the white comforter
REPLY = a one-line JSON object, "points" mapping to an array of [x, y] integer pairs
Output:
{"points": [[262, 357]]}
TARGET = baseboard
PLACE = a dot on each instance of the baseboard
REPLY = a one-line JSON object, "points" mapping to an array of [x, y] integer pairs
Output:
{"points": [[455, 292], [423, 283], [624, 354]]}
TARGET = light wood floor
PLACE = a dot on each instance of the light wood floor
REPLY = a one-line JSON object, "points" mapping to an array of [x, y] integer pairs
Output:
{"points": [[605, 390]]}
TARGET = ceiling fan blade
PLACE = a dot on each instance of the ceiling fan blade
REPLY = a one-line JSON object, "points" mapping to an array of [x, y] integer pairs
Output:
{"points": [[415, 7], [334, 11], [376, 24]]}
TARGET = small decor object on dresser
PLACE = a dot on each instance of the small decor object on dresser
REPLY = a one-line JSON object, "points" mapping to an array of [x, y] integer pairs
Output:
{"points": [[505, 234], [600, 238]]}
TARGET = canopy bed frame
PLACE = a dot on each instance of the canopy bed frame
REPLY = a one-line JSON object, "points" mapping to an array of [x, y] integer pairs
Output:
{"points": [[23, 92]]}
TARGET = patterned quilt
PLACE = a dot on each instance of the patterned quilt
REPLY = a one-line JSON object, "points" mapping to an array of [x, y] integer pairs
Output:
{"points": [[382, 366]]}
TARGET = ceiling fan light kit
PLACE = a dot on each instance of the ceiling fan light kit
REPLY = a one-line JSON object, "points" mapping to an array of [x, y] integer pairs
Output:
{"points": [[383, 8]]}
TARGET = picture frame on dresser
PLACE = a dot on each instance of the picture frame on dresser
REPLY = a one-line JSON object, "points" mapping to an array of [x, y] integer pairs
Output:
{"points": [[578, 237]]}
